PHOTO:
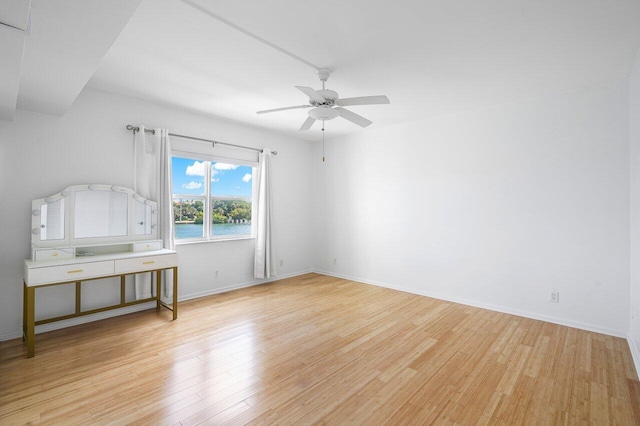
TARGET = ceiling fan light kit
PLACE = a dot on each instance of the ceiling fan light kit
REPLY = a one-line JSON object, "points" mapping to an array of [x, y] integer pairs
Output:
{"points": [[326, 104], [323, 113]]}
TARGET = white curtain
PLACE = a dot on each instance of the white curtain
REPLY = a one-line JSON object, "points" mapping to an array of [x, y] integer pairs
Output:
{"points": [[265, 258], [152, 180]]}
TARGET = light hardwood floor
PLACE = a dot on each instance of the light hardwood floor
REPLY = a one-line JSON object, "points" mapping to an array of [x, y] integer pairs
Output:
{"points": [[317, 349]]}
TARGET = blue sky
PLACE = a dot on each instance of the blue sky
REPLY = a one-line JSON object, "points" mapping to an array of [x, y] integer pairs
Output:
{"points": [[226, 179]]}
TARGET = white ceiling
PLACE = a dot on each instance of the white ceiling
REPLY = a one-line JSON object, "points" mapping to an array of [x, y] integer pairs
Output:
{"points": [[429, 57]]}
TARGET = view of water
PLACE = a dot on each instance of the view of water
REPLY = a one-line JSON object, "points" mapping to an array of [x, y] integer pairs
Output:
{"points": [[191, 230]]}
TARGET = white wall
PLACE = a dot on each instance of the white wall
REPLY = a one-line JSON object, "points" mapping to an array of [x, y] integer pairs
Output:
{"points": [[634, 122], [493, 207], [41, 155]]}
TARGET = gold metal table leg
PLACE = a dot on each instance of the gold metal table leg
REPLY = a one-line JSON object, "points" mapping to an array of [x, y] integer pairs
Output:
{"points": [[158, 289], [78, 297], [123, 298], [30, 317], [24, 311]]}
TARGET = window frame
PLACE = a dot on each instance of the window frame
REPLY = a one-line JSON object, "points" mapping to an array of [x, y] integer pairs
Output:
{"points": [[207, 198]]}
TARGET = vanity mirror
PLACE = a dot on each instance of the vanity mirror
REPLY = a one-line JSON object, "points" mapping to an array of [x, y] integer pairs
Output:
{"points": [[51, 219], [100, 213], [91, 216]]}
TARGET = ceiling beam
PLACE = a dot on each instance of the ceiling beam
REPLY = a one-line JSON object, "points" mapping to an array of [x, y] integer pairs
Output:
{"points": [[68, 40], [14, 21], [15, 13]]}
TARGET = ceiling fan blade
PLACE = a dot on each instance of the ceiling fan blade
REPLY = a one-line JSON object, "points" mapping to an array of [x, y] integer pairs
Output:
{"points": [[353, 117], [283, 109], [363, 100], [307, 123], [312, 94]]}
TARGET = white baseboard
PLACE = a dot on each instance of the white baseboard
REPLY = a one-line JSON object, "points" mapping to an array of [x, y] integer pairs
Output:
{"points": [[243, 285], [11, 335], [507, 310], [633, 346], [81, 320], [635, 354], [141, 307]]}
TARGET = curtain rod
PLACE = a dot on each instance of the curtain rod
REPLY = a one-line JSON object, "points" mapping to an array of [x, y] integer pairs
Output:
{"points": [[137, 129]]}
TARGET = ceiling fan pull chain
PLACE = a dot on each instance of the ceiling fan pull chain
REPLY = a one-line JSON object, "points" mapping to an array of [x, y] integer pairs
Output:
{"points": [[323, 140]]}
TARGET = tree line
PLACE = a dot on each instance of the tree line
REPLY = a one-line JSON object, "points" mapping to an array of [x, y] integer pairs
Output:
{"points": [[222, 211]]}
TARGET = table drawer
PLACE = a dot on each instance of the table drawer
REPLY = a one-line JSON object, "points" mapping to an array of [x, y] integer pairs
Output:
{"points": [[127, 266], [66, 273], [52, 254], [147, 246]]}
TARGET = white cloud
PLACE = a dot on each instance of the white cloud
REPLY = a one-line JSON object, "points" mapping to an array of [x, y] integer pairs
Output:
{"points": [[224, 166], [196, 169], [192, 185], [246, 177]]}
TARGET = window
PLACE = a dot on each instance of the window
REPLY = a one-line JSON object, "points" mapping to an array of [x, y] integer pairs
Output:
{"points": [[215, 189]]}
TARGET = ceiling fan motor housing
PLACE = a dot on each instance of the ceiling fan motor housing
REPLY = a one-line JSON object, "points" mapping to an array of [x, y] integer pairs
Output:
{"points": [[329, 95]]}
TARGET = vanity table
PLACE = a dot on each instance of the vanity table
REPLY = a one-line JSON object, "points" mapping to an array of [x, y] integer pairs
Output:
{"points": [[90, 232]]}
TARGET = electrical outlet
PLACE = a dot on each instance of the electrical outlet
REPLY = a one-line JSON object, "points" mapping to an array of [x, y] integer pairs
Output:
{"points": [[334, 261], [281, 262], [554, 297], [216, 274]]}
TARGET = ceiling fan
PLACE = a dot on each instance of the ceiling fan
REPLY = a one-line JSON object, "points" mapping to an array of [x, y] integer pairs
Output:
{"points": [[326, 104]]}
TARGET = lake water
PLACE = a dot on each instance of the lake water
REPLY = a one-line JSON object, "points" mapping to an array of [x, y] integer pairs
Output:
{"points": [[191, 230]]}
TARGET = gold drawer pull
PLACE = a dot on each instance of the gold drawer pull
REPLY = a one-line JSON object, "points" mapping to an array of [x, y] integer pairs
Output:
{"points": [[75, 271], [149, 262]]}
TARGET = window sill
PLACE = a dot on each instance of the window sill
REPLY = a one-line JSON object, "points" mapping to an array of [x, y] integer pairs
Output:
{"points": [[217, 240]]}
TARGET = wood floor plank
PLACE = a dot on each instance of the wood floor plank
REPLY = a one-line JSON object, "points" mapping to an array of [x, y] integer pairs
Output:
{"points": [[323, 350], [634, 392]]}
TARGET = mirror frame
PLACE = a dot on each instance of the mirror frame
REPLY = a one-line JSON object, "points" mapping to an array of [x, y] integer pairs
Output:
{"points": [[69, 240]]}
